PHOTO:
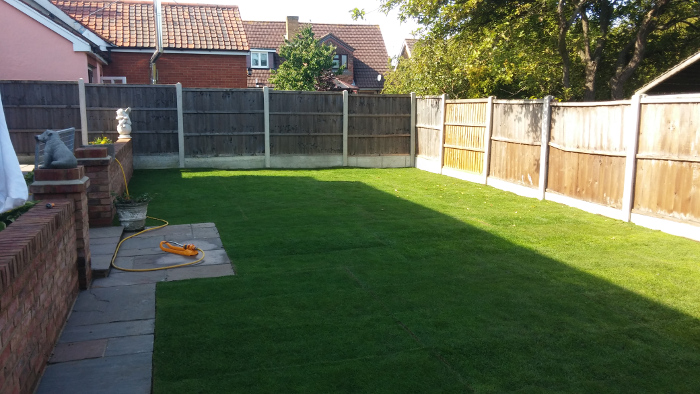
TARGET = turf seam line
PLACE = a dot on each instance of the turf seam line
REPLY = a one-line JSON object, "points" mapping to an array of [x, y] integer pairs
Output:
{"points": [[415, 337]]}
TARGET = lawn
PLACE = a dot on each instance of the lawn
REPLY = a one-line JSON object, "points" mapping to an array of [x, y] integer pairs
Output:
{"points": [[354, 280]]}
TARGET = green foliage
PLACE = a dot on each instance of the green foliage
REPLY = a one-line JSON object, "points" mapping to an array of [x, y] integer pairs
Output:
{"points": [[514, 49], [357, 14], [29, 177], [7, 218], [101, 140], [132, 198], [307, 64]]}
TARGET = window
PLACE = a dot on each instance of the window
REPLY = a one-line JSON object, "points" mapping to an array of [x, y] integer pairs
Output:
{"points": [[338, 61], [114, 80], [258, 60], [91, 73]]}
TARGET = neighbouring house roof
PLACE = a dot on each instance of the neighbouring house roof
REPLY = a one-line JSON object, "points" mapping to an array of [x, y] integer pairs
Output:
{"points": [[131, 24], [407, 47], [370, 57], [681, 78]]}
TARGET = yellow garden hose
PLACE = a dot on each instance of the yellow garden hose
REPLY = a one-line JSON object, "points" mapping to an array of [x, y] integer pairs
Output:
{"points": [[114, 256]]}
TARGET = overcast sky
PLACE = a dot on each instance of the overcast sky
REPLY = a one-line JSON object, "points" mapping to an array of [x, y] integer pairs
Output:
{"points": [[318, 11]]}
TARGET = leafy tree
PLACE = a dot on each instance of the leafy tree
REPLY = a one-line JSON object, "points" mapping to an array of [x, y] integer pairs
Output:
{"points": [[308, 64], [575, 49]]}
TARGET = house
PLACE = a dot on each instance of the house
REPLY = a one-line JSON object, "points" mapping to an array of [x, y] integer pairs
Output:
{"points": [[198, 45], [407, 48], [39, 42], [682, 78], [358, 47]]}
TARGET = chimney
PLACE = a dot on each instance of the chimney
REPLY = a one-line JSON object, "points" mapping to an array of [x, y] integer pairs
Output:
{"points": [[292, 27]]}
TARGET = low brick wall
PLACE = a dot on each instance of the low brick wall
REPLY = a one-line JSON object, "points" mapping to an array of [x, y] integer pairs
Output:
{"points": [[38, 285], [105, 178]]}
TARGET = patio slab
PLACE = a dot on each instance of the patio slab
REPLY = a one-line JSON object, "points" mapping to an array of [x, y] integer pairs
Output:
{"points": [[107, 343]]}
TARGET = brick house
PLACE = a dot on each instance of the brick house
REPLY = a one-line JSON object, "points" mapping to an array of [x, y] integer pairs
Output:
{"points": [[202, 45], [359, 47]]}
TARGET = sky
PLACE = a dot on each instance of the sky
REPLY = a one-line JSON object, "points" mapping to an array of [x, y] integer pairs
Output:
{"points": [[318, 11]]}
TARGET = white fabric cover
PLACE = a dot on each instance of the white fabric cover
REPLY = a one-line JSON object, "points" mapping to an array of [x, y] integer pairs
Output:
{"points": [[13, 188]]}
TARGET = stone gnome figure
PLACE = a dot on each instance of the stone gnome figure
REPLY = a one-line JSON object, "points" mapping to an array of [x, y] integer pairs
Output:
{"points": [[56, 153], [124, 126]]}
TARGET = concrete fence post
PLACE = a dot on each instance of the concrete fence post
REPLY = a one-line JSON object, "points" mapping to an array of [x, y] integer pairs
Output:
{"points": [[443, 115], [346, 99], [412, 152], [266, 110], [180, 125], [632, 144], [83, 111], [487, 138], [544, 145]]}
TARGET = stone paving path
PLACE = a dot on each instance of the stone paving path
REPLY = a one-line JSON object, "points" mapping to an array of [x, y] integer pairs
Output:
{"points": [[107, 343]]}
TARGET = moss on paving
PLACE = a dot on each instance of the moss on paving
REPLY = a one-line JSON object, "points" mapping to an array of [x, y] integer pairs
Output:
{"points": [[354, 280]]}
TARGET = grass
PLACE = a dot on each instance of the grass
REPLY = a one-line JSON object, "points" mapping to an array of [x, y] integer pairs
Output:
{"points": [[353, 280]]}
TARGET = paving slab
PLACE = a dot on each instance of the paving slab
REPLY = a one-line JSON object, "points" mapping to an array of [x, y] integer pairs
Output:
{"points": [[129, 345], [211, 257], [106, 232], [74, 351], [123, 278], [208, 271], [114, 304], [127, 374], [107, 330]]}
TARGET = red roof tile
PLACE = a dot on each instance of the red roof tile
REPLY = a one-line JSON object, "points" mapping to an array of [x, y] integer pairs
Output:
{"points": [[131, 24], [370, 56]]}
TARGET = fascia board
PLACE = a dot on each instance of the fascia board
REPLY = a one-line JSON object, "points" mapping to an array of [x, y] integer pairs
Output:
{"points": [[94, 38]]}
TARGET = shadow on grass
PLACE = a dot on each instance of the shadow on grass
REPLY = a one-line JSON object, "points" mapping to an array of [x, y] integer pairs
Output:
{"points": [[344, 287]]}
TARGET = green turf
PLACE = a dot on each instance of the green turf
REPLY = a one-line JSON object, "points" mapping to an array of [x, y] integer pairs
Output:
{"points": [[352, 280]]}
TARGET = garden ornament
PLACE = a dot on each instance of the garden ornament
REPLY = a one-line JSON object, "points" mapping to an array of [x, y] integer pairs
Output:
{"points": [[56, 153], [124, 126]]}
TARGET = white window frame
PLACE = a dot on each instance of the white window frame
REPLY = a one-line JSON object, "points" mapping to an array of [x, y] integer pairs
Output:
{"points": [[114, 80], [338, 61], [260, 55]]}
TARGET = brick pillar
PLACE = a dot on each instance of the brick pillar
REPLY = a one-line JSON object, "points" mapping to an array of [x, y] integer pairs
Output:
{"points": [[69, 184], [97, 167]]}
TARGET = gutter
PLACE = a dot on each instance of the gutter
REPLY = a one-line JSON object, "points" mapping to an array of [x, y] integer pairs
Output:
{"points": [[159, 41]]}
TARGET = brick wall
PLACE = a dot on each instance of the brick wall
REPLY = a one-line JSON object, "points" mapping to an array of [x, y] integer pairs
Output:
{"points": [[105, 178], [38, 285], [192, 71]]}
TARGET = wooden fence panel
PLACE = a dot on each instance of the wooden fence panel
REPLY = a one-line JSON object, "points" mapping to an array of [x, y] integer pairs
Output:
{"points": [[587, 152], [428, 120], [515, 141], [223, 122], [465, 124], [31, 107], [306, 123], [379, 125], [668, 161], [153, 115]]}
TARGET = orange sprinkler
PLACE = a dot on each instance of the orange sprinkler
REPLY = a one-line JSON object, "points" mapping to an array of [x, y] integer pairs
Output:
{"points": [[176, 248]]}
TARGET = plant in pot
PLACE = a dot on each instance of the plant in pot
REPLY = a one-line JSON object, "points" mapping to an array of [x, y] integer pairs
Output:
{"points": [[102, 142], [132, 209]]}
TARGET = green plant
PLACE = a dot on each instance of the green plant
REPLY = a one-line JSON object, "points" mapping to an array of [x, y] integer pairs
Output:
{"points": [[29, 177], [126, 198], [7, 218], [101, 140]]}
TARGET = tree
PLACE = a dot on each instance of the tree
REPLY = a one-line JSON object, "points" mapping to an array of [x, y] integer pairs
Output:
{"points": [[308, 64], [595, 46]]}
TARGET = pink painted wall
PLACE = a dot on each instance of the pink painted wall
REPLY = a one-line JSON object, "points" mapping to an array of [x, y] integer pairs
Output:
{"points": [[31, 51]]}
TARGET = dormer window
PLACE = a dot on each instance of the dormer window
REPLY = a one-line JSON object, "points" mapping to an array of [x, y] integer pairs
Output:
{"points": [[338, 61], [258, 60]]}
